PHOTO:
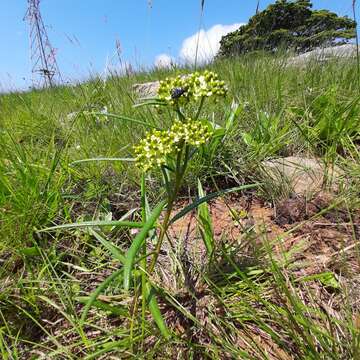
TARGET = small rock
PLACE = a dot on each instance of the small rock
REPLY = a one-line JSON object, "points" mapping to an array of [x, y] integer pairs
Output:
{"points": [[148, 89], [305, 175]]}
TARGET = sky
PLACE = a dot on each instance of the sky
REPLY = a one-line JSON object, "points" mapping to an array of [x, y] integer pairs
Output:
{"points": [[150, 33]]}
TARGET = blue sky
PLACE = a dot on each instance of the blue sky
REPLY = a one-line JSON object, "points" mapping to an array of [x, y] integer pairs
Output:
{"points": [[84, 32]]}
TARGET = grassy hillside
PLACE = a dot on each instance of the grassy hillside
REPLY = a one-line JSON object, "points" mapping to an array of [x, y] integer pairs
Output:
{"points": [[265, 293]]}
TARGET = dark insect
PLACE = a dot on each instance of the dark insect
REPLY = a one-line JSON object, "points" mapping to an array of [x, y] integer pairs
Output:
{"points": [[177, 92]]}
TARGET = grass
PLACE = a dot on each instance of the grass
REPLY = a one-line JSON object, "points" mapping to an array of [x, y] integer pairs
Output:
{"points": [[253, 298]]}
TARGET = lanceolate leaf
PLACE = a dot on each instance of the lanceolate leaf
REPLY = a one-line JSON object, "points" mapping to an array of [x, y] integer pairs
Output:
{"points": [[101, 159], [130, 224], [116, 253], [116, 310], [155, 311], [151, 101], [138, 241], [97, 292], [204, 219]]}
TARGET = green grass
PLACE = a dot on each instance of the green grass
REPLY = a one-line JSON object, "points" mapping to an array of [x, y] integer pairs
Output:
{"points": [[262, 309]]}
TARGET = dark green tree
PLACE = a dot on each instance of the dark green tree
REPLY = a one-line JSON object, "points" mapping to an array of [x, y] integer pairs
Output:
{"points": [[290, 25]]}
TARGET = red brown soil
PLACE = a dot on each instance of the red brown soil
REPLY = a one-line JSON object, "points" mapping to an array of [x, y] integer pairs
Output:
{"points": [[320, 234]]}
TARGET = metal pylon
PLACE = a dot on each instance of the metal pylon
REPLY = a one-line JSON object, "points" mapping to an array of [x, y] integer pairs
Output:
{"points": [[45, 71]]}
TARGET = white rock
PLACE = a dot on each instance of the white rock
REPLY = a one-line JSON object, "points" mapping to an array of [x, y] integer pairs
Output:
{"points": [[324, 54]]}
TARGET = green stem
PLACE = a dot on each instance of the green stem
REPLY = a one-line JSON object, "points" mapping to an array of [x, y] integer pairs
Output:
{"points": [[179, 173], [164, 227], [166, 181], [200, 107], [180, 114], [186, 159]]}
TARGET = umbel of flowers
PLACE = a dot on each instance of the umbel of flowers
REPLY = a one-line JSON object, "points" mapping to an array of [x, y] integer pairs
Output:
{"points": [[185, 88], [158, 146]]}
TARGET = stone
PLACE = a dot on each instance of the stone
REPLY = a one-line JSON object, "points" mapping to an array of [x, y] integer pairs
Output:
{"points": [[305, 175], [147, 90], [324, 54]]}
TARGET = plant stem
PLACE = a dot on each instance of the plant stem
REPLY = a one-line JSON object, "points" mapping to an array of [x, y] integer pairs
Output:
{"points": [[164, 227], [200, 107], [166, 181], [143, 260], [179, 173], [181, 116]]}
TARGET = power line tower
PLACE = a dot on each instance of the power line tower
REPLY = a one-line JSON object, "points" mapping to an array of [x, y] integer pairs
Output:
{"points": [[45, 71]]}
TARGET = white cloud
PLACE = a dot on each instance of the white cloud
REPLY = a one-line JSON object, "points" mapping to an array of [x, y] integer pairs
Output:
{"points": [[163, 61], [205, 43]]}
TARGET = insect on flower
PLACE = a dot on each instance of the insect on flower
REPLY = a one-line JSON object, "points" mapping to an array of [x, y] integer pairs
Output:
{"points": [[177, 92]]}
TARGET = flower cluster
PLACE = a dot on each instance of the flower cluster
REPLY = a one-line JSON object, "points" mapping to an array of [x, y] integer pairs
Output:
{"points": [[182, 89], [158, 145], [153, 149], [193, 133]]}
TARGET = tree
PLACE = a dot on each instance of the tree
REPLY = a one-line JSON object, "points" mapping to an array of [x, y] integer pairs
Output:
{"points": [[291, 25]]}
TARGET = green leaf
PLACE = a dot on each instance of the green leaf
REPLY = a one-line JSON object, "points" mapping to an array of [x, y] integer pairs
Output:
{"points": [[145, 208], [204, 218], [209, 197], [137, 242], [30, 251], [328, 279], [104, 306], [97, 292], [248, 139], [116, 253], [101, 159], [151, 102], [130, 224], [155, 311], [236, 110]]}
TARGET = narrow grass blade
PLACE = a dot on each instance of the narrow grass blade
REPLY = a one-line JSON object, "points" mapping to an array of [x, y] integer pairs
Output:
{"points": [[108, 347], [138, 241], [3, 347], [209, 197], [125, 118], [205, 222], [155, 311], [97, 292], [101, 159], [151, 101], [130, 224], [104, 306], [235, 112], [116, 253]]}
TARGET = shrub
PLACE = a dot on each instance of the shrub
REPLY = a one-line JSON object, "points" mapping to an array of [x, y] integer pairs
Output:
{"points": [[289, 24]]}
